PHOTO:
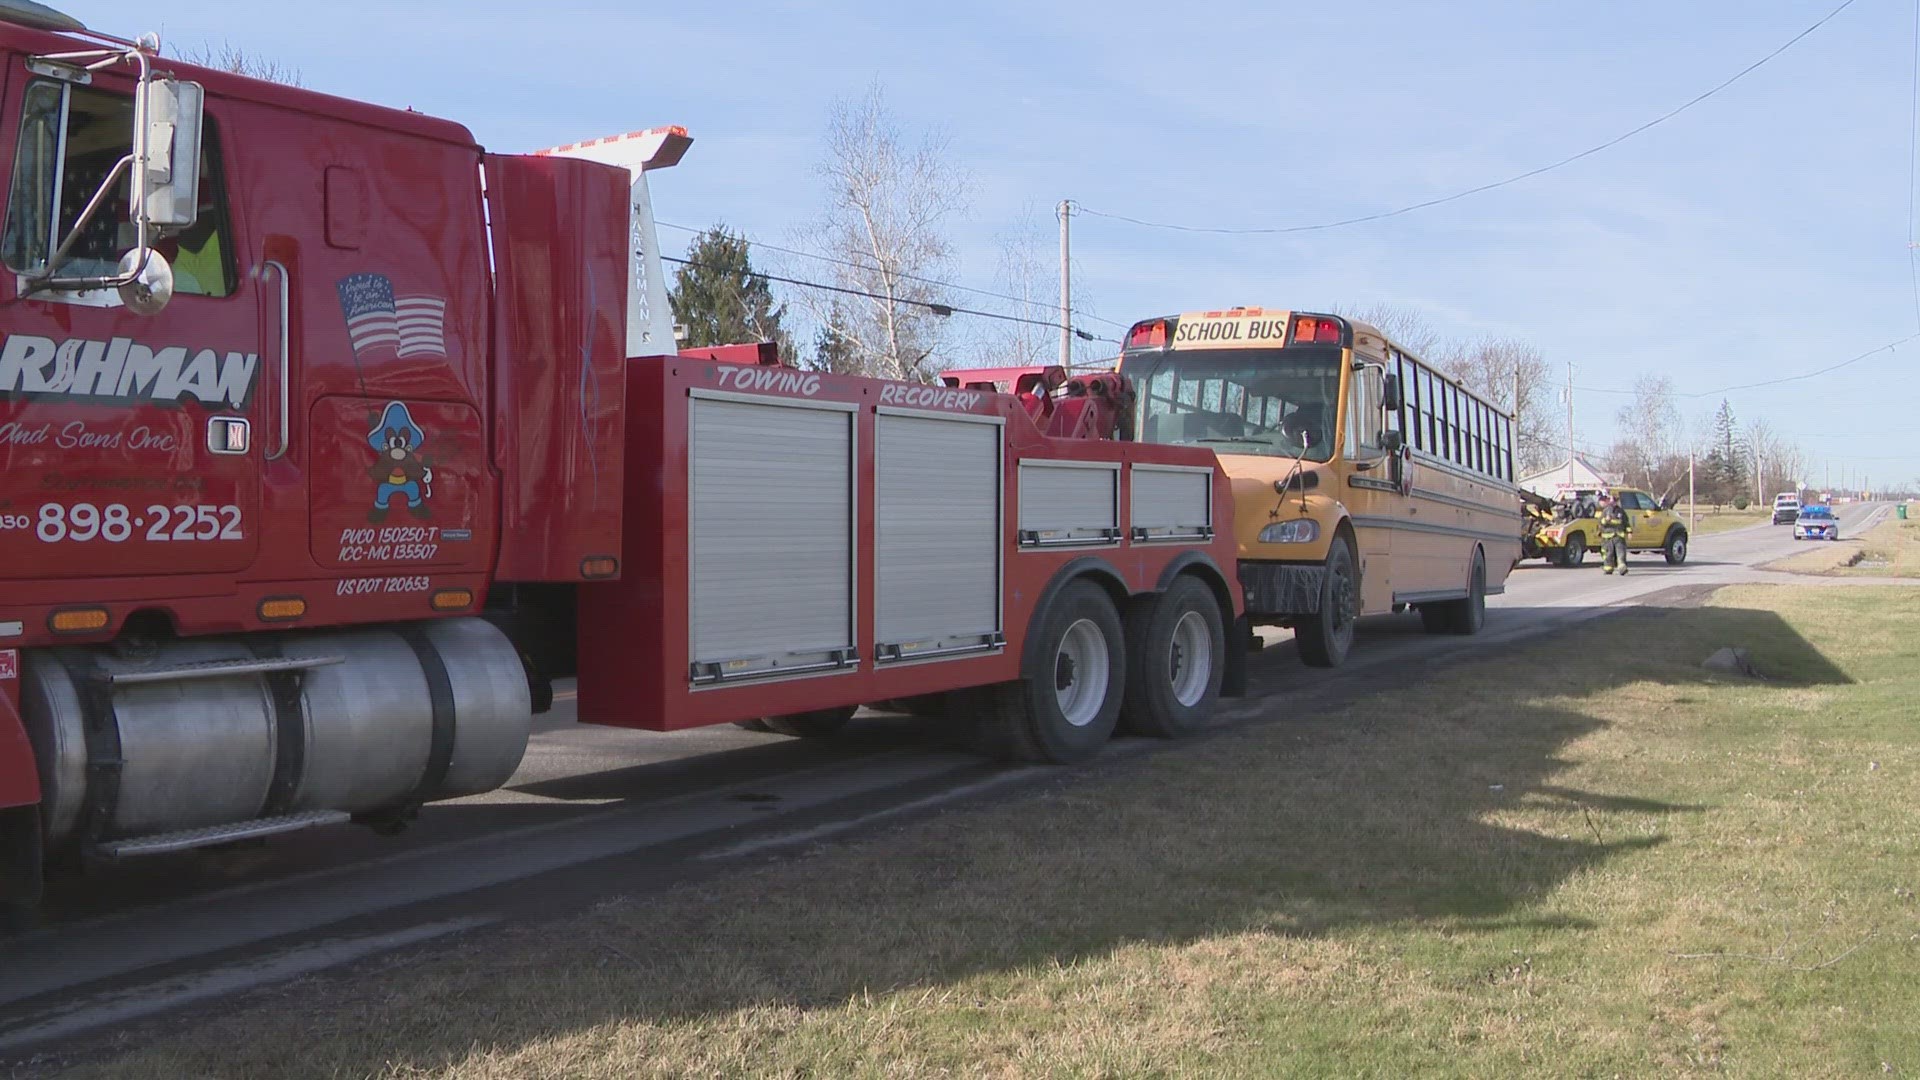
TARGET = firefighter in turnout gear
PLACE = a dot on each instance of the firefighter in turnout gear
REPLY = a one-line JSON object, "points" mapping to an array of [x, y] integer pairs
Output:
{"points": [[1615, 526]]}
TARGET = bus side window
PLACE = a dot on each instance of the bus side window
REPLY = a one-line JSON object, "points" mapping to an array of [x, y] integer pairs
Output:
{"points": [[1479, 436], [1365, 413], [1417, 406], [1458, 424], [1396, 418]]}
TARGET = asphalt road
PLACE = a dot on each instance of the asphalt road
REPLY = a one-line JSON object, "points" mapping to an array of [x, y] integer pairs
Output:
{"points": [[596, 812]]}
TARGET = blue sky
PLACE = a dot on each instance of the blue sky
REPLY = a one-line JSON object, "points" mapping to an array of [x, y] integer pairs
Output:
{"points": [[1761, 234]]}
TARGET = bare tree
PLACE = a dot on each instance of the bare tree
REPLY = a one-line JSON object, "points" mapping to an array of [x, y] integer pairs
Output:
{"points": [[230, 57], [1513, 375], [1508, 372], [1404, 327], [1782, 464], [1025, 275], [886, 205], [1651, 433]]}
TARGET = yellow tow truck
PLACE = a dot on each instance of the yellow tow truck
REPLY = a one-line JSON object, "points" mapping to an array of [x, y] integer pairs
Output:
{"points": [[1563, 530]]}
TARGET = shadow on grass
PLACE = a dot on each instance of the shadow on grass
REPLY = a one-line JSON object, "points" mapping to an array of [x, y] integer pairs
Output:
{"points": [[1432, 797]]}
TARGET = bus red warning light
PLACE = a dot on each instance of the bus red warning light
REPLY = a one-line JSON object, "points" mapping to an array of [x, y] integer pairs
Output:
{"points": [[1308, 329], [1148, 335]]}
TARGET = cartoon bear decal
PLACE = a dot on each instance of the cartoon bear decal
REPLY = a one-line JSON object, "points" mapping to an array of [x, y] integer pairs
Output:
{"points": [[400, 470]]}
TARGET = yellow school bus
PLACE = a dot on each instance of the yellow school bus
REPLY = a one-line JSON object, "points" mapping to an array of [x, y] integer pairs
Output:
{"points": [[1364, 480]]}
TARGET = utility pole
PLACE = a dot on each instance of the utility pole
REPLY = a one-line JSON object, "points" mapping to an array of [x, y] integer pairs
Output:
{"points": [[1692, 512], [1569, 411], [1066, 289]]}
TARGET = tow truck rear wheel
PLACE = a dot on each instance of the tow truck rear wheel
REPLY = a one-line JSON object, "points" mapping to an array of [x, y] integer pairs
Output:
{"points": [[1176, 656], [22, 871], [1575, 552], [1073, 675], [1325, 637], [818, 724]]}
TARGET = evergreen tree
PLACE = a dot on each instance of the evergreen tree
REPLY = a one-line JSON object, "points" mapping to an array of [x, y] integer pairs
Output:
{"points": [[721, 300], [833, 349], [1727, 458]]}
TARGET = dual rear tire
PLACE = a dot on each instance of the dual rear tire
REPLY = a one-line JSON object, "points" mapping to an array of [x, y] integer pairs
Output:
{"points": [[1088, 672]]}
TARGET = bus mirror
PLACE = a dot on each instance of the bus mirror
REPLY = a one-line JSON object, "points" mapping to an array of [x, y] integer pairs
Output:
{"points": [[1298, 481], [171, 186], [1390, 394], [1390, 439]]}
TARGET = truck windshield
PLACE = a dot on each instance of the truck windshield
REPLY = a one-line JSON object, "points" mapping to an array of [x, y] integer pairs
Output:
{"points": [[1275, 402]]}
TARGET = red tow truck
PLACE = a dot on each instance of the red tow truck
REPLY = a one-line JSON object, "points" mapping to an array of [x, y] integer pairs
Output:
{"points": [[328, 440]]}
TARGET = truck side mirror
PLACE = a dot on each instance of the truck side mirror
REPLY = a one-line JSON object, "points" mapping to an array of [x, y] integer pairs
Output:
{"points": [[1390, 394], [170, 190]]}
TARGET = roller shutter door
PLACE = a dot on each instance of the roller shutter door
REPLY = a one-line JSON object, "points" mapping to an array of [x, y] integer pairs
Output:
{"points": [[770, 538], [1172, 503], [937, 515], [1068, 502]]}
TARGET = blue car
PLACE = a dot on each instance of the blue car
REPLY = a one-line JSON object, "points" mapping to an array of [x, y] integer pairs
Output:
{"points": [[1816, 523]]}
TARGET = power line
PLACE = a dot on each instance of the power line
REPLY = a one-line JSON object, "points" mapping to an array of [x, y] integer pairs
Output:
{"points": [[1529, 174], [1888, 347], [903, 276], [937, 309]]}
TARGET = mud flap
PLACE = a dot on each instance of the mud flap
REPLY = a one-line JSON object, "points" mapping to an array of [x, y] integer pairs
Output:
{"points": [[1240, 642], [19, 775], [22, 869]]}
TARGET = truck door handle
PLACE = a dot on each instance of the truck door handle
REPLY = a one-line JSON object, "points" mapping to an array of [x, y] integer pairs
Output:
{"points": [[286, 339]]}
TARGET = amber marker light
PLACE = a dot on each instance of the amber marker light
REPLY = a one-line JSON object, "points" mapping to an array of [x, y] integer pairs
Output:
{"points": [[282, 609], [452, 599], [599, 566], [78, 620]]}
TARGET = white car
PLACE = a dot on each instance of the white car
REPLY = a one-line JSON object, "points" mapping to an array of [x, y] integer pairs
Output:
{"points": [[1816, 523], [1786, 507]]}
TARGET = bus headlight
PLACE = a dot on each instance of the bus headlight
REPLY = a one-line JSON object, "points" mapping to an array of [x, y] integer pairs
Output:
{"points": [[1299, 531]]}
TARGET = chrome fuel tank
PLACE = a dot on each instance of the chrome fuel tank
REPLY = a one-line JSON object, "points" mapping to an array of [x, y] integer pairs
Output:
{"points": [[354, 721]]}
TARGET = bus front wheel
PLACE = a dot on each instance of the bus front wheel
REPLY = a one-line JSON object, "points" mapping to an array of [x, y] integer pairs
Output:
{"points": [[1326, 636]]}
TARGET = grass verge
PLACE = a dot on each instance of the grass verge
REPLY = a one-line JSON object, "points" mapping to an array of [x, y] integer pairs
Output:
{"points": [[1713, 519], [1889, 549], [1587, 857]]}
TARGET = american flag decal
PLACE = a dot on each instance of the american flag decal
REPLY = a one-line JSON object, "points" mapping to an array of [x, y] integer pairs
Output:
{"points": [[409, 325]]}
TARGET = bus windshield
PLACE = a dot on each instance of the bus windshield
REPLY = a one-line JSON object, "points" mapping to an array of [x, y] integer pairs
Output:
{"points": [[1275, 402]]}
